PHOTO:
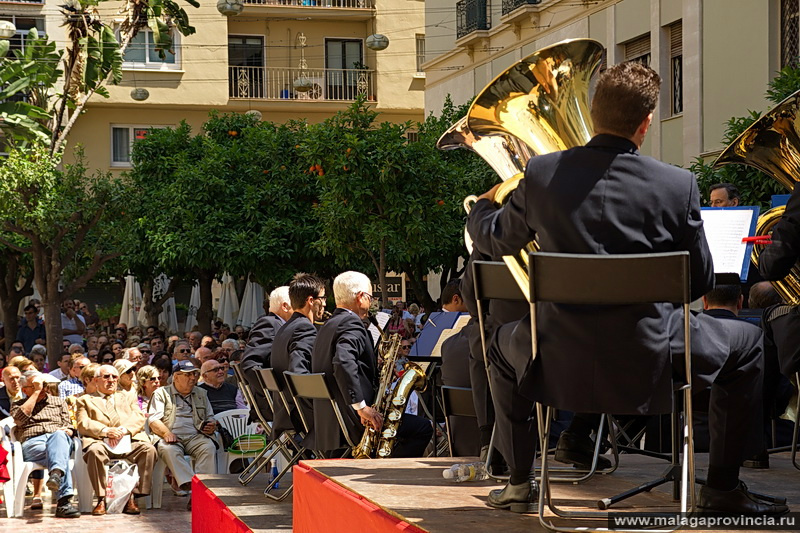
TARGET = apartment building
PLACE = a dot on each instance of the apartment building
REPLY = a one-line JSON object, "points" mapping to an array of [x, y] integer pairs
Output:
{"points": [[715, 56], [251, 61]]}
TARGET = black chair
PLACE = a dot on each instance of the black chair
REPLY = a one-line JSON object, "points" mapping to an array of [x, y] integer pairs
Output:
{"points": [[619, 280], [456, 401], [494, 281], [315, 387]]}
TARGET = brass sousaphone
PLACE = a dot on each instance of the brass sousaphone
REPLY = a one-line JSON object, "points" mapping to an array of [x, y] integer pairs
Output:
{"points": [[537, 106], [772, 145]]}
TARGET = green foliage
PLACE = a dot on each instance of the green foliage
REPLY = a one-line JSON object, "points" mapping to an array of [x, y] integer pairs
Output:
{"points": [[108, 311], [755, 187]]}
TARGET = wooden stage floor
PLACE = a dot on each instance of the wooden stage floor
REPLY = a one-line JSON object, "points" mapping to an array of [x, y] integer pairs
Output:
{"points": [[415, 490]]}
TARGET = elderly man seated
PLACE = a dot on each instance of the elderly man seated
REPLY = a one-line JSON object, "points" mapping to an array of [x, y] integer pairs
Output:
{"points": [[112, 427], [181, 417], [223, 396], [44, 429]]}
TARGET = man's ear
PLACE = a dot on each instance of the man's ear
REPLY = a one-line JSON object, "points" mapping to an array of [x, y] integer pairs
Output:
{"points": [[705, 302]]}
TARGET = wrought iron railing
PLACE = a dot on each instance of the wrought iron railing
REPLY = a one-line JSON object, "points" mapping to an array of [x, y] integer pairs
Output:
{"points": [[511, 5], [473, 15], [327, 84], [349, 4]]}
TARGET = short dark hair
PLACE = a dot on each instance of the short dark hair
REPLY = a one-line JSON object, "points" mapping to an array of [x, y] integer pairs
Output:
{"points": [[625, 94], [302, 286], [31, 307], [763, 295], [727, 295], [451, 290], [730, 188]]}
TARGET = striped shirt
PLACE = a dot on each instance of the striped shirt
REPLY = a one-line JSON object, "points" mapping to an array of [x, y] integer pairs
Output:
{"points": [[47, 416], [70, 387]]}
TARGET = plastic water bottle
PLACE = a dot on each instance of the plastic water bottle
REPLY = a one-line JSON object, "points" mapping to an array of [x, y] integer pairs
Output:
{"points": [[466, 472], [274, 473]]}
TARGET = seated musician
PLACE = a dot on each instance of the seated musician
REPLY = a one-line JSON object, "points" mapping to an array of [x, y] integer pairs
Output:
{"points": [[455, 373], [344, 352], [607, 198], [291, 350]]}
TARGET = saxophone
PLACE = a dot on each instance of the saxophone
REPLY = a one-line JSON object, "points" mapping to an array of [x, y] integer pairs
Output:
{"points": [[389, 402]]}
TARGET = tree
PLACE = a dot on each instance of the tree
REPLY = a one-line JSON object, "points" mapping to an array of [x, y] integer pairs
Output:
{"points": [[391, 202], [230, 200], [755, 187], [71, 222], [16, 281]]}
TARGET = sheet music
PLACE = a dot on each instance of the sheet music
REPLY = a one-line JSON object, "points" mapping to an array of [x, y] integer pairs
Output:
{"points": [[725, 229], [446, 334], [383, 319]]}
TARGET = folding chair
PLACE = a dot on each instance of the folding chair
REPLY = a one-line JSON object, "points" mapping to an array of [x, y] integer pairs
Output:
{"points": [[619, 280], [456, 401], [494, 281], [315, 387]]}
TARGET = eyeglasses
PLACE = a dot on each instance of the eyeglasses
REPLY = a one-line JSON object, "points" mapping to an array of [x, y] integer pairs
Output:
{"points": [[371, 298], [218, 369], [131, 370], [222, 360], [110, 377], [320, 297], [108, 360], [150, 352], [184, 351], [405, 347], [153, 379]]}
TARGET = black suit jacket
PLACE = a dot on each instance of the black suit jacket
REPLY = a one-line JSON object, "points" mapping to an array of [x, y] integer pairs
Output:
{"points": [[777, 259], [343, 350], [781, 326], [291, 351], [258, 351], [602, 198]]}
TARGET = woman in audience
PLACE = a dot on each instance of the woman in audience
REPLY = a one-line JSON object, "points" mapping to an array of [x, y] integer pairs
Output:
{"points": [[127, 375], [149, 379], [88, 375], [164, 366], [106, 356], [117, 347]]}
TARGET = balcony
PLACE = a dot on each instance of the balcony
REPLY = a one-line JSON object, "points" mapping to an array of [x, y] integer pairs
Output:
{"points": [[472, 16], [511, 5], [327, 84], [316, 9]]}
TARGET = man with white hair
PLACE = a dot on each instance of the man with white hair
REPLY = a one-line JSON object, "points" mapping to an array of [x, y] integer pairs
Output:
{"points": [[258, 352], [43, 427], [104, 420], [344, 352]]}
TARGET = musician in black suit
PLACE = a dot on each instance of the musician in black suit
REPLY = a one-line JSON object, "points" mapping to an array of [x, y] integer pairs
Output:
{"points": [[258, 351], [606, 198], [456, 372], [344, 352], [777, 259], [291, 350]]}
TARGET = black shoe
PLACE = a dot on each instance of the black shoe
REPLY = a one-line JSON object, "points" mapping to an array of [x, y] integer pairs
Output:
{"points": [[67, 511], [736, 501], [578, 451], [759, 461], [189, 504], [522, 498], [55, 479]]}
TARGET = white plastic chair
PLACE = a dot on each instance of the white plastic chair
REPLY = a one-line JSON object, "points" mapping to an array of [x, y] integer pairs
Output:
{"points": [[236, 422], [6, 426]]}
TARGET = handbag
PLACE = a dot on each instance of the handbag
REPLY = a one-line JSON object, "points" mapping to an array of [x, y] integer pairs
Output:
{"points": [[122, 479]]}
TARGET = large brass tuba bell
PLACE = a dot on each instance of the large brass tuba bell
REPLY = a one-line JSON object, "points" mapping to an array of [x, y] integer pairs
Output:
{"points": [[772, 145], [537, 106]]}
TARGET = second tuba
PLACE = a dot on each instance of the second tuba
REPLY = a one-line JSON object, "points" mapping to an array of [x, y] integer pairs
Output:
{"points": [[772, 145], [538, 105]]}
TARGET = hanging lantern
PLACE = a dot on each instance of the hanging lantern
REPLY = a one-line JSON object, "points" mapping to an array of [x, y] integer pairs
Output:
{"points": [[254, 113], [377, 42], [230, 8], [140, 94], [7, 29], [302, 84]]}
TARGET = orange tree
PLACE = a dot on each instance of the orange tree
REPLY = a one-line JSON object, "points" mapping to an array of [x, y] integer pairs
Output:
{"points": [[389, 202]]}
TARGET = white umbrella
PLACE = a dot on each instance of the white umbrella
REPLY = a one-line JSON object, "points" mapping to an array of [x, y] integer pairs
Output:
{"points": [[194, 305], [26, 300], [131, 303], [168, 318], [251, 308], [228, 308]]}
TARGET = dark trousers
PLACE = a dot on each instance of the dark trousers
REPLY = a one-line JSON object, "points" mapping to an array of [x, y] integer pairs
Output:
{"points": [[413, 436], [734, 403], [479, 382], [258, 393]]}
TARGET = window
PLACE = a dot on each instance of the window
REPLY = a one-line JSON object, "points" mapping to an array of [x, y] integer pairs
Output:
{"points": [[122, 140], [344, 62], [676, 66], [412, 136], [142, 53], [638, 50], [24, 25], [420, 51], [246, 66], [790, 33]]}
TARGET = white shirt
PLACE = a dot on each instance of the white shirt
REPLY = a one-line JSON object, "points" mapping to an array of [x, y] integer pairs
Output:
{"points": [[69, 323]]}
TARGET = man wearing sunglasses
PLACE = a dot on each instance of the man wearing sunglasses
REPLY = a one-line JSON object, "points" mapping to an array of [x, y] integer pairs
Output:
{"points": [[108, 421], [223, 396], [291, 350], [258, 353], [181, 352]]}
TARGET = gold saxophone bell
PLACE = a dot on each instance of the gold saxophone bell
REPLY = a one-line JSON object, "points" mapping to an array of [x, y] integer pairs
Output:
{"points": [[537, 106], [772, 145]]}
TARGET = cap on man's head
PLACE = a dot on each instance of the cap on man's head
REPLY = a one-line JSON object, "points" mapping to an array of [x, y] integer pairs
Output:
{"points": [[47, 378], [185, 366]]}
